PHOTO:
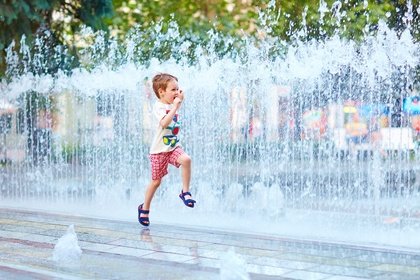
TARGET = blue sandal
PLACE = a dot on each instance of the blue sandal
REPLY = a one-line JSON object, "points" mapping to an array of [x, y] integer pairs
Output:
{"points": [[187, 202], [143, 220]]}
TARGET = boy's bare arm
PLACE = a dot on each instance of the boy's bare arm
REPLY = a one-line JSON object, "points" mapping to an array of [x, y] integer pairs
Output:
{"points": [[167, 119]]}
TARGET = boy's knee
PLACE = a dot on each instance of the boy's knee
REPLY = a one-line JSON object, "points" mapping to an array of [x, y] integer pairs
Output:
{"points": [[156, 183], [185, 160]]}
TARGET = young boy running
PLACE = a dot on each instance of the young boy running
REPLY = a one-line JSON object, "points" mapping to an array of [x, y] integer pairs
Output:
{"points": [[165, 148]]}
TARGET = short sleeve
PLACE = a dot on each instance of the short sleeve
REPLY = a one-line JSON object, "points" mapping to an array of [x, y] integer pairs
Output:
{"points": [[159, 111]]}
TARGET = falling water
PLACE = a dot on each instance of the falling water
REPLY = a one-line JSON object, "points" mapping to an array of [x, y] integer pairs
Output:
{"points": [[269, 137]]}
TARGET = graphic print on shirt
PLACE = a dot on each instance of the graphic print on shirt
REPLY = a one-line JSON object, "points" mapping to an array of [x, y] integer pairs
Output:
{"points": [[172, 139]]}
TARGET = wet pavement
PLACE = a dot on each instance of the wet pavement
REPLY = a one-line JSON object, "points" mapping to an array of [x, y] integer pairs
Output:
{"points": [[124, 250]]}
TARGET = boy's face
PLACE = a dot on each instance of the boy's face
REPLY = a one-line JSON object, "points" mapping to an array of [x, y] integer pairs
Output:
{"points": [[170, 93]]}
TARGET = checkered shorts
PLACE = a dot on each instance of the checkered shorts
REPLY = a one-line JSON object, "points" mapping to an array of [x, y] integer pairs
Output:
{"points": [[160, 162]]}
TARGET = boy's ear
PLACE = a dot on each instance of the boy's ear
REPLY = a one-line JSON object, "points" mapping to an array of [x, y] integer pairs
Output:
{"points": [[160, 91]]}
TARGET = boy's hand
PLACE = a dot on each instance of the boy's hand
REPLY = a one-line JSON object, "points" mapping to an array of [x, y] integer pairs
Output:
{"points": [[181, 95], [179, 98], [177, 101]]}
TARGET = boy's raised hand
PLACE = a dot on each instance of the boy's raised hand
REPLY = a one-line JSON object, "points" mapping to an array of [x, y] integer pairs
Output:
{"points": [[181, 94], [179, 98]]}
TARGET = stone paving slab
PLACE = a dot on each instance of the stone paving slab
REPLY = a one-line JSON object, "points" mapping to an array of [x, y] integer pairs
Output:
{"points": [[125, 250]]}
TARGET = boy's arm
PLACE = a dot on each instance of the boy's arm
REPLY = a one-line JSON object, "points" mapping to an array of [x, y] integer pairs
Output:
{"points": [[167, 119]]}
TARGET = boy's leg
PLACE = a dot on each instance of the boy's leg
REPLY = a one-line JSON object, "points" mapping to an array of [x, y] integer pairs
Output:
{"points": [[150, 192], [159, 166], [185, 161]]}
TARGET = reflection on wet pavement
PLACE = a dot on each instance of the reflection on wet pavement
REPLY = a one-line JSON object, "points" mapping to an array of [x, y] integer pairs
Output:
{"points": [[124, 250]]}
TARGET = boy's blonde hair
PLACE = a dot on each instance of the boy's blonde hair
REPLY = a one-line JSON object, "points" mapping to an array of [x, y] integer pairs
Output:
{"points": [[160, 81]]}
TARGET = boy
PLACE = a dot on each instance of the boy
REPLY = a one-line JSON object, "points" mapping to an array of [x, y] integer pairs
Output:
{"points": [[165, 146]]}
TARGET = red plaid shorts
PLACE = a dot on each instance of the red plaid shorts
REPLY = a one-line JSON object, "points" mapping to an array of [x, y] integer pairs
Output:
{"points": [[160, 162]]}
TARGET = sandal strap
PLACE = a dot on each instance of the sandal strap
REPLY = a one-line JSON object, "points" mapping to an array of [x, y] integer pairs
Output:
{"points": [[188, 202], [185, 193], [144, 221], [143, 211]]}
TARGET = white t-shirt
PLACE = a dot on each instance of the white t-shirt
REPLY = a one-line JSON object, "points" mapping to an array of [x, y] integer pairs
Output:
{"points": [[166, 139]]}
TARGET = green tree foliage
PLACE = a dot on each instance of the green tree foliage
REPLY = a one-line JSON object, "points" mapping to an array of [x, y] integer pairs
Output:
{"points": [[235, 20], [187, 22], [162, 25], [60, 17], [317, 18], [198, 17]]}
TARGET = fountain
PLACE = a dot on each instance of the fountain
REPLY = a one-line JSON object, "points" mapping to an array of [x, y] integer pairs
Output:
{"points": [[311, 143]]}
